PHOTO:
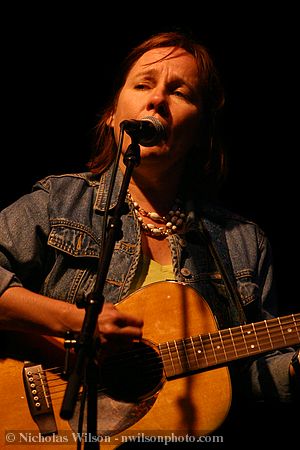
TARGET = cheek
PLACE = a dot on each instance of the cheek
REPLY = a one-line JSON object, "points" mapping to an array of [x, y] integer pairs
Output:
{"points": [[187, 132], [186, 117], [127, 106]]}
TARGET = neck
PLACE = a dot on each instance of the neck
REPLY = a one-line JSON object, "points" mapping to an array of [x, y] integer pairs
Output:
{"points": [[156, 191]]}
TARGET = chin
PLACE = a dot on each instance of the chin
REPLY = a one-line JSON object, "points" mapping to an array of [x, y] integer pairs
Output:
{"points": [[155, 151]]}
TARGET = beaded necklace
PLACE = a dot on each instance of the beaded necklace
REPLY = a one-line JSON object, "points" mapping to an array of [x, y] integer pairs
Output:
{"points": [[172, 222]]}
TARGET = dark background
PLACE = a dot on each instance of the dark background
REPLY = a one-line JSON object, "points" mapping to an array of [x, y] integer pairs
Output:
{"points": [[57, 69]]}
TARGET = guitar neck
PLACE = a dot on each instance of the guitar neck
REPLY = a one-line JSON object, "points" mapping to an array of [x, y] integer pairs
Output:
{"points": [[194, 353]]}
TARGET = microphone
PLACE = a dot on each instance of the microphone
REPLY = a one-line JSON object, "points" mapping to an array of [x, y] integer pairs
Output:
{"points": [[148, 131]]}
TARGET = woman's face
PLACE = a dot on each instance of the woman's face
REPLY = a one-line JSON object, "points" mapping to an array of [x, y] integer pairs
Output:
{"points": [[167, 89]]}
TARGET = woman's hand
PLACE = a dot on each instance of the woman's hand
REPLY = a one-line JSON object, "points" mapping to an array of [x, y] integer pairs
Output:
{"points": [[116, 331], [116, 326]]}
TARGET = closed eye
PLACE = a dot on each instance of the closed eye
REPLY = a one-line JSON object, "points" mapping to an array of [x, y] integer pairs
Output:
{"points": [[141, 86], [180, 94]]}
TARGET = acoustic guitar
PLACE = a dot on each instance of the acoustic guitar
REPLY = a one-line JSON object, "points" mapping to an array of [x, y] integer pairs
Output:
{"points": [[173, 383]]}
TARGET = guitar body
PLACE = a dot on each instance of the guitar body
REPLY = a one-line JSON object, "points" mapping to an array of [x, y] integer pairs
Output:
{"points": [[195, 404], [15, 416]]}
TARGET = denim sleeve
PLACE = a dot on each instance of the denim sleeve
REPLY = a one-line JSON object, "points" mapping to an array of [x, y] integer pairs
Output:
{"points": [[24, 228], [266, 377], [269, 374]]}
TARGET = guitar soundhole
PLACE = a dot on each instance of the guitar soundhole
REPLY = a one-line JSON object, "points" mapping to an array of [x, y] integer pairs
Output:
{"points": [[132, 374]]}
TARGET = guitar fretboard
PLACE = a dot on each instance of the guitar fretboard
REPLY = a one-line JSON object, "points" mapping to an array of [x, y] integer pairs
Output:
{"points": [[199, 352]]}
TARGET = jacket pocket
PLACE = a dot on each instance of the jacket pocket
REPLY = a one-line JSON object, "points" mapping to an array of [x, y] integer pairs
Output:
{"points": [[75, 261], [74, 239]]}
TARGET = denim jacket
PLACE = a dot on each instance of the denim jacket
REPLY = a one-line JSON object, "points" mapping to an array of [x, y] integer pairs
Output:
{"points": [[50, 241]]}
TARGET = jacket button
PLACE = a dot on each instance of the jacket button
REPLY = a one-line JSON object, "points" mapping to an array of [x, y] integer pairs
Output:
{"points": [[185, 272]]}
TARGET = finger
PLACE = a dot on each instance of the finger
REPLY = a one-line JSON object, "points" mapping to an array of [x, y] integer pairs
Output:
{"points": [[112, 314]]}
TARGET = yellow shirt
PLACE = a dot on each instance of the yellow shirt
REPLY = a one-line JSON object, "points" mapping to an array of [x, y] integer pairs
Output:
{"points": [[150, 271]]}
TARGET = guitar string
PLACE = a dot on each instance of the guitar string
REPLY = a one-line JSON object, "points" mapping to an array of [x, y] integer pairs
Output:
{"points": [[189, 349], [57, 394], [244, 341], [180, 360], [188, 343], [234, 336], [218, 338]]}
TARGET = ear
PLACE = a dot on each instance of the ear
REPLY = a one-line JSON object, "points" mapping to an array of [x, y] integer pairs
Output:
{"points": [[110, 122]]}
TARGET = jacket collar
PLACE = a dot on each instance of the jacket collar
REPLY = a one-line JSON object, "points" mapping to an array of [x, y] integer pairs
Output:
{"points": [[103, 189]]}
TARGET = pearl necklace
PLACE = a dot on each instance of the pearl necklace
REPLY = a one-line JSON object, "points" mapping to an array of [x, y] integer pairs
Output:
{"points": [[173, 221]]}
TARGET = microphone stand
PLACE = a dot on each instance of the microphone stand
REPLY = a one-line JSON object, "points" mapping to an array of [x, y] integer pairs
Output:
{"points": [[85, 345]]}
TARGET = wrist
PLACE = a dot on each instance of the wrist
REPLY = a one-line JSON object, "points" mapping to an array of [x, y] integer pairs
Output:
{"points": [[295, 363], [295, 371]]}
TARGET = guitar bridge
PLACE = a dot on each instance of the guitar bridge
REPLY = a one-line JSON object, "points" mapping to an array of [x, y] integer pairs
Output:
{"points": [[38, 398]]}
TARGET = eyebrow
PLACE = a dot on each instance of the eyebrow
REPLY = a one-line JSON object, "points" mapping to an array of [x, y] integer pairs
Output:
{"points": [[146, 71]]}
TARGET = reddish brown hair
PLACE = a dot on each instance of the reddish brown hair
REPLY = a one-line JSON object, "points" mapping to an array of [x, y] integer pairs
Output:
{"points": [[209, 154]]}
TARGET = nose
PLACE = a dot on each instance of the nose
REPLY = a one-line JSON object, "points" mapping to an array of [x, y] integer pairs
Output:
{"points": [[157, 101]]}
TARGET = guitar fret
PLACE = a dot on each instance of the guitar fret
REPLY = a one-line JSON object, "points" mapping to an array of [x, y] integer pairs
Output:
{"points": [[228, 343], [214, 349], [212, 346], [245, 333], [276, 331], [194, 352], [167, 359], [186, 354], [218, 350], [208, 351], [183, 355], [266, 332], [295, 323], [205, 348], [223, 347], [178, 355], [199, 352], [266, 341], [292, 329], [244, 340], [214, 352], [250, 339], [269, 336], [279, 321], [255, 335], [282, 331], [288, 330], [234, 347]]}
